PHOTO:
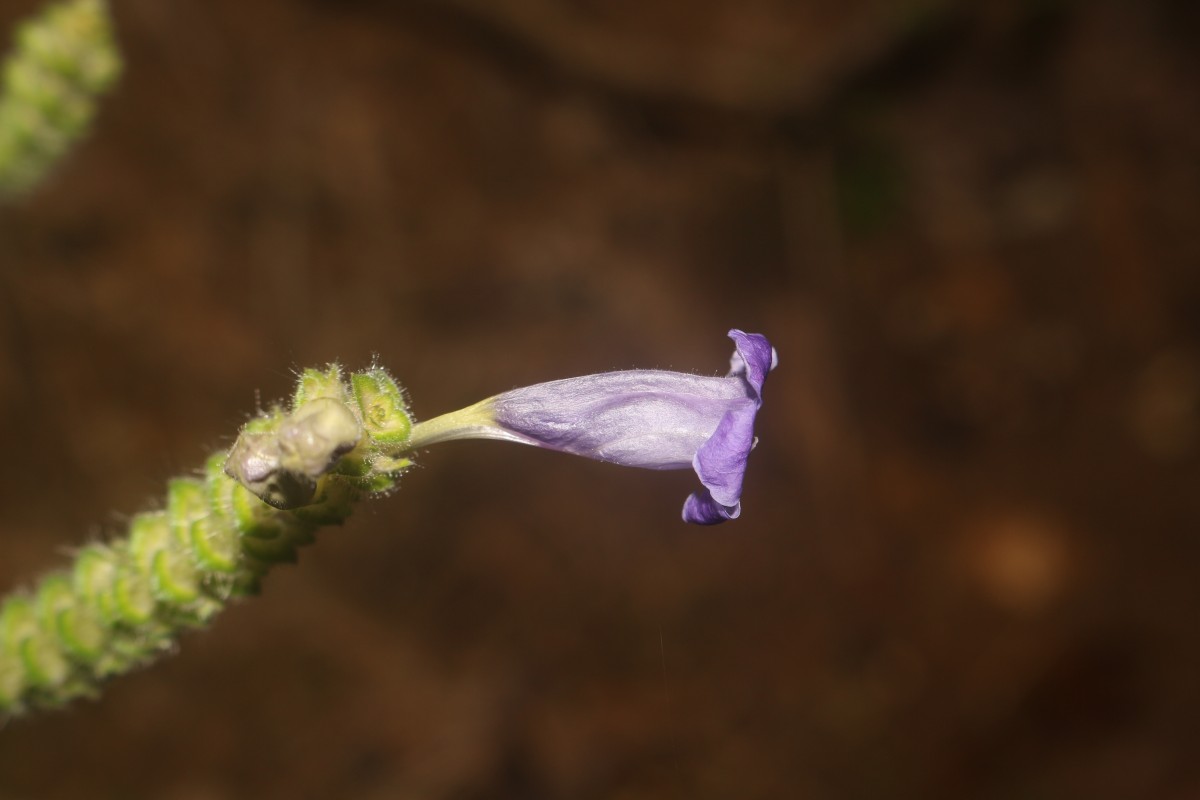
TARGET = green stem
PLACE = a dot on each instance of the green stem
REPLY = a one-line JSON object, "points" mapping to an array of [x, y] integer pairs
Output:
{"points": [[125, 602]]}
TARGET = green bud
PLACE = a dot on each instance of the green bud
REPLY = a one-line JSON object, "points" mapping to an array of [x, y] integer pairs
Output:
{"points": [[314, 384], [381, 404]]}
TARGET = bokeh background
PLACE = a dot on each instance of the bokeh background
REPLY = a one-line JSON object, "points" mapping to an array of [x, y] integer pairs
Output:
{"points": [[967, 565]]}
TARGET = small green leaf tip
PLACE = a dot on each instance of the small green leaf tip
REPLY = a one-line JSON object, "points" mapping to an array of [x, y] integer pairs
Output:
{"points": [[126, 602], [63, 59]]}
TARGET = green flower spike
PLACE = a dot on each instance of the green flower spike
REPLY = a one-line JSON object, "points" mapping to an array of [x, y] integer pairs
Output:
{"points": [[125, 602], [63, 60]]}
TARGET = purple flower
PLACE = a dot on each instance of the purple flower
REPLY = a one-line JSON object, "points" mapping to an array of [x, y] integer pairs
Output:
{"points": [[637, 418]]}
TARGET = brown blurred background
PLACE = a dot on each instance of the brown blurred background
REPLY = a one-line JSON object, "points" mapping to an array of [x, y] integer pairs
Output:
{"points": [[967, 563]]}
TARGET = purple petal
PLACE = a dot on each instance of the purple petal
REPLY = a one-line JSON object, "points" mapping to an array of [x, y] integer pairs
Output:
{"points": [[721, 461], [753, 359], [701, 509]]}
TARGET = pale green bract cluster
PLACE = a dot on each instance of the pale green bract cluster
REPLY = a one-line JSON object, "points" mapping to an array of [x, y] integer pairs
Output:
{"points": [[63, 59], [125, 602]]}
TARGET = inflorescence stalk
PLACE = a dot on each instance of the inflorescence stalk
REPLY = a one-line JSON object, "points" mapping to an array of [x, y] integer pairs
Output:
{"points": [[125, 602]]}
